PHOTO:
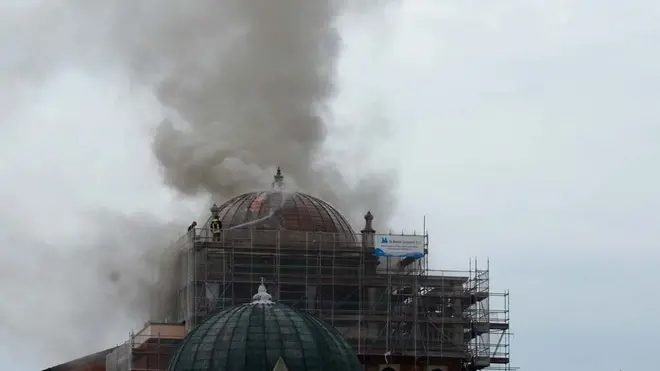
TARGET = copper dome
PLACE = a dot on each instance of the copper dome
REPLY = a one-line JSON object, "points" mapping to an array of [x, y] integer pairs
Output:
{"points": [[295, 211], [299, 212]]}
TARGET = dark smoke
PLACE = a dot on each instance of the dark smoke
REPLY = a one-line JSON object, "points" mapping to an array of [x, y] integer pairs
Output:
{"points": [[246, 85]]}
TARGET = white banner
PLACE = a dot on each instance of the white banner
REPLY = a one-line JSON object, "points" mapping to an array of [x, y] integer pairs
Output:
{"points": [[400, 246]]}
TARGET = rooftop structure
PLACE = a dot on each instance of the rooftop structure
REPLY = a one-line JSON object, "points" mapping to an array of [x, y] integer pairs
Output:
{"points": [[259, 335], [374, 289], [278, 208]]}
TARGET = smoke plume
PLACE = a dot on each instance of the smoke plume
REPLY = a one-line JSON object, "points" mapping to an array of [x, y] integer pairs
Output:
{"points": [[248, 84], [245, 86]]}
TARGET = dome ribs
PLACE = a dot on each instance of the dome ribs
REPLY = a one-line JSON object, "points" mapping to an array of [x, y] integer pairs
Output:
{"points": [[254, 337], [300, 212]]}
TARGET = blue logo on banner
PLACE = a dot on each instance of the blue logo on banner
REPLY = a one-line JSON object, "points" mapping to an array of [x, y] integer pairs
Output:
{"points": [[384, 240]]}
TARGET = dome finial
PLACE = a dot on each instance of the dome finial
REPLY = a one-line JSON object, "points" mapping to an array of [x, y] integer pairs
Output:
{"points": [[262, 296], [215, 209], [368, 219], [278, 179]]}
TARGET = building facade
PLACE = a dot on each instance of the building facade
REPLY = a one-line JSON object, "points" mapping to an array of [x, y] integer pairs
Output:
{"points": [[396, 313]]}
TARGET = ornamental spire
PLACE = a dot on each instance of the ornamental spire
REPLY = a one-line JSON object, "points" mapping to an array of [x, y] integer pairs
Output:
{"points": [[262, 296], [278, 180]]}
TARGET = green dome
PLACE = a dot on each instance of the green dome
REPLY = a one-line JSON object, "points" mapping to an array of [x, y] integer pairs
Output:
{"points": [[254, 336]]}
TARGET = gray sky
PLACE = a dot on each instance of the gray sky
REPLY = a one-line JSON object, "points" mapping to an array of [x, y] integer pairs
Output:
{"points": [[527, 131]]}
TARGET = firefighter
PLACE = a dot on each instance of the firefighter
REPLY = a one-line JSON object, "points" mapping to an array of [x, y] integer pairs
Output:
{"points": [[191, 230], [216, 228]]}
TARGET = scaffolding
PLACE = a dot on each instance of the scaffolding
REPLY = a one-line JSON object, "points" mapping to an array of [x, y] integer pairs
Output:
{"points": [[150, 349], [488, 314], [499, 334], [385, 307]]}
